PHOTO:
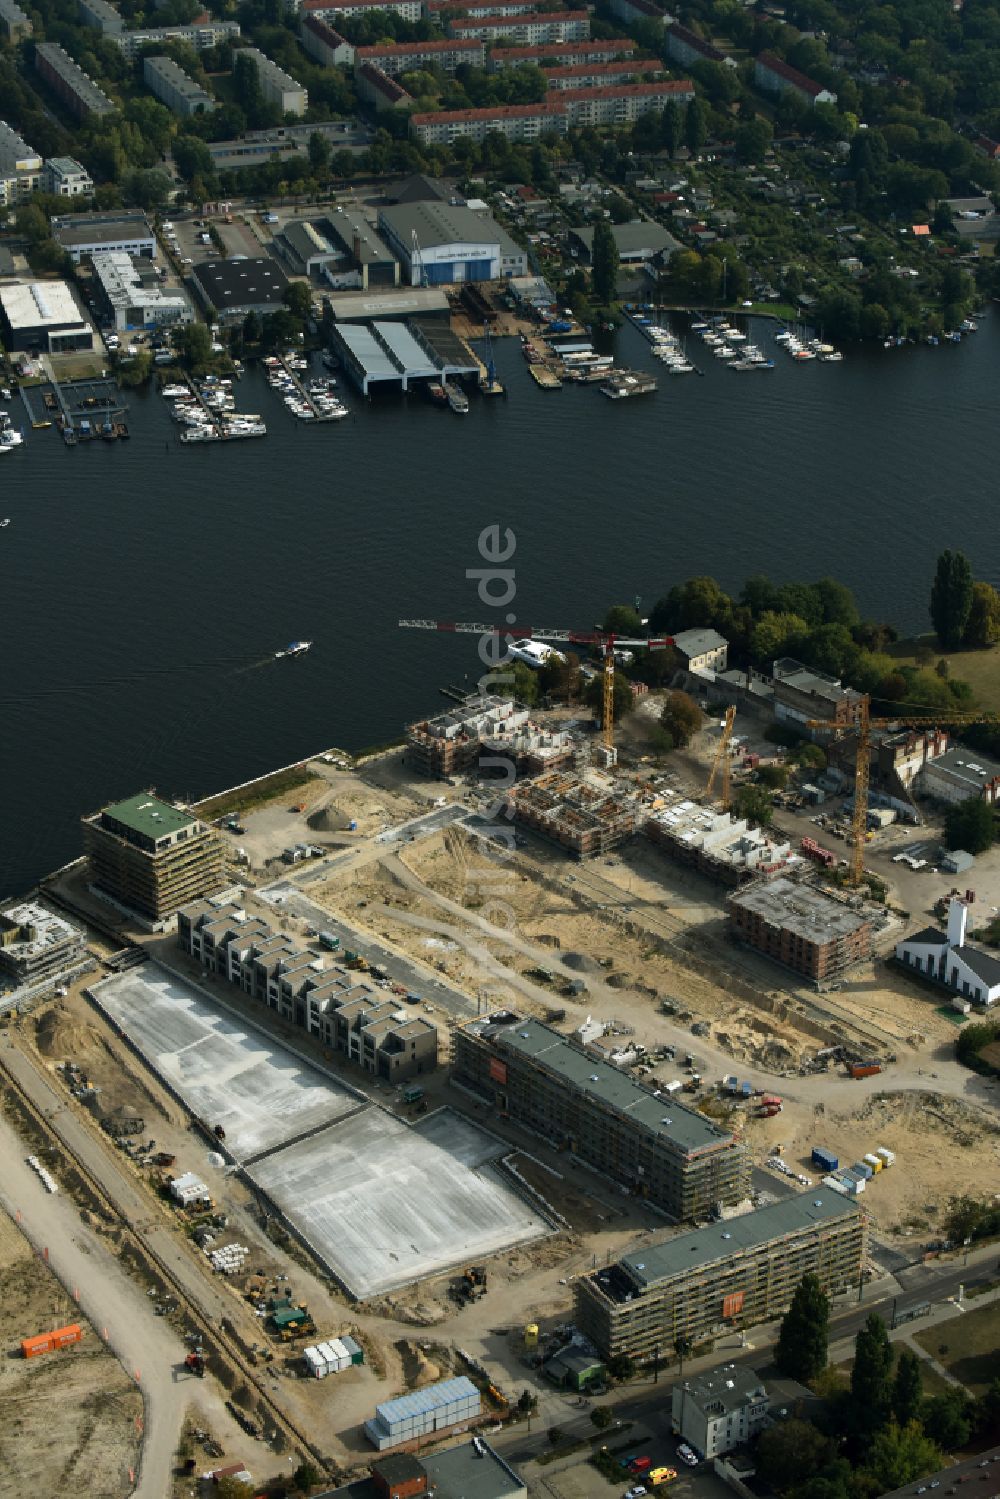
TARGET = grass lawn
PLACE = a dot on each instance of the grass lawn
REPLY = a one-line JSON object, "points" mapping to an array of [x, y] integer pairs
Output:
{"points": [[970, 1343], [981, 669]]}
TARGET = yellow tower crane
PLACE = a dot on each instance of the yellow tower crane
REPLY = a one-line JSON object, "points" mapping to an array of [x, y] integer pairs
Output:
{"points": [[863, 726], [722, 758]]}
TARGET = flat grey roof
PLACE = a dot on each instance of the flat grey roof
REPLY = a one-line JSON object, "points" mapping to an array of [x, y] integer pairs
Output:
{"points": [[966, 765], [730, 1386], [436, 223], [403, 302], [465, 1472], [800, 909], [719, 1241], [631, 238], [679, 1127], [100, 229], [405, 348], [369, 353]]}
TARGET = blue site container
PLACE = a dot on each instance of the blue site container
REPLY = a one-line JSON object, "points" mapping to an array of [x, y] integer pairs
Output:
{"points": [[824, 1159], [863, 1169]]}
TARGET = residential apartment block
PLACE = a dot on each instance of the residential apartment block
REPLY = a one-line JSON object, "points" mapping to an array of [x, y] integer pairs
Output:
{"points": [[334, 10], [680, 1161], [800, 926], [529, 30], [65, 178], [14, 24], [561, 54], [775, 76], [405, 57], [599, 75], [325, 45], [277, 86], [622, 103], [201, 36], [36, 944], [436, 10], [379, 90], [720, 1410], [370, 1026], [102, 16], [174, 88], [688, 48], [732, 1274], [70, 84], [20, 166], [151, 857], [516, 122]]}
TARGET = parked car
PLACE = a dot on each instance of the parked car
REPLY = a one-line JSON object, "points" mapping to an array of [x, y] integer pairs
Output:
{"points": [[687, 1454]]}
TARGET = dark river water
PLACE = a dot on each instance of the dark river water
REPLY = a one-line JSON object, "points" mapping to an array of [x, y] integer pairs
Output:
{"points": [[145, 586]]}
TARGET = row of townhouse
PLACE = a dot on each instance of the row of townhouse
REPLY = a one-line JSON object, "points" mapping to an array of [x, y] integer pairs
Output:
{"points": [[565, 109], [370, 1027]]}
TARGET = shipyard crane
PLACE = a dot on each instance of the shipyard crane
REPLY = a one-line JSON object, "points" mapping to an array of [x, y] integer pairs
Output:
{"points": [[863, 726], [606, 641], [722, 758]]}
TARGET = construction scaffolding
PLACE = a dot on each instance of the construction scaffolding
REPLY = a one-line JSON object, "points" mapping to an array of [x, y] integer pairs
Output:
{"points": [[586, 816], [723, 847], [454, 741], [802, 927]]}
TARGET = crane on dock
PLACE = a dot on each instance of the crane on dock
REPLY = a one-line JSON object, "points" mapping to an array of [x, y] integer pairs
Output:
{"points": [[488, 383], [606, 642], [862, 727]]}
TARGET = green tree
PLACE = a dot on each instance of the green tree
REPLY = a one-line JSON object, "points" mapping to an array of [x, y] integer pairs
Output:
{"points": [[604, 263], [526, 1401], [871, 1383], [789, 1449], [951, 598], [695, 126], [982, 628], [593, 696], [837, 603], [773, 777], [320, 151], [252, 328], [755, 804], [970, 825], [623, 619], [670, 128], [800, 1351], [298, 299], [907, 1388], [602, 1417], [947, 1418], [753, 140], [811, 757], [194, 344], [621, 1367], [776, 635], [681, 717], [898, 1455], [306, 1477]]}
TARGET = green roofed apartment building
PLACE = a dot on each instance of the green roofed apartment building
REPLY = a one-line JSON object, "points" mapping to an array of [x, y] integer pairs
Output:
{"points": [[732, 1274], [677, 1159], [151, 857]]}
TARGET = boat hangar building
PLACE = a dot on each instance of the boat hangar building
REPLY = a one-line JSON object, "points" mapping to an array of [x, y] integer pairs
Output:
{"points": [[440, 244]]}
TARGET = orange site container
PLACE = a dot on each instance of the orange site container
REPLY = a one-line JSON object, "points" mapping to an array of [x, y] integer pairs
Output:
{"points": [[51, 1342]]}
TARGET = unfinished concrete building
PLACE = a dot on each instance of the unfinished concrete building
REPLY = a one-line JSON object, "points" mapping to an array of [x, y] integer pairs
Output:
{"points": [[35, 944], [679, 1160], [487, 725], [723, 847], [151, 857], [733, 1274], [806, 929], [370, 1026], [586, 816]]}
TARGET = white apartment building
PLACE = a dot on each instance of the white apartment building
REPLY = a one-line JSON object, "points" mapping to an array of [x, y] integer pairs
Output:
{"points": [[277, 86], [20, 166]]}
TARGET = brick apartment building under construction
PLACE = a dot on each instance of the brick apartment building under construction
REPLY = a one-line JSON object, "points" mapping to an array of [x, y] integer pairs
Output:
{"points": [[586, 816], [809, 931], [736, 1273], [151, 857], [454, 741], [672, 1156]]}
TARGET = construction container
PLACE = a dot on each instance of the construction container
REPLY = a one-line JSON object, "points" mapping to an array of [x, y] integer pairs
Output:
{"points": [[355, 1350], [853, 1184], [875, 1162], [887, 1156], [531, 1335], [862, 1168], [314, 1362], [864, 1069], [51, 1342], [835, 1185], [824, 1159]]}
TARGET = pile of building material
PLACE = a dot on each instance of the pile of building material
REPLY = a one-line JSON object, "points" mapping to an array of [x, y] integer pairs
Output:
{"points": [[585, 815], [332, 1357], [230, 1259]]}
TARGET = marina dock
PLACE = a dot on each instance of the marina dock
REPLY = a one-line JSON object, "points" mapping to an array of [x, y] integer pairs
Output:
{"points": [[398, 353], [81, 409]]}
